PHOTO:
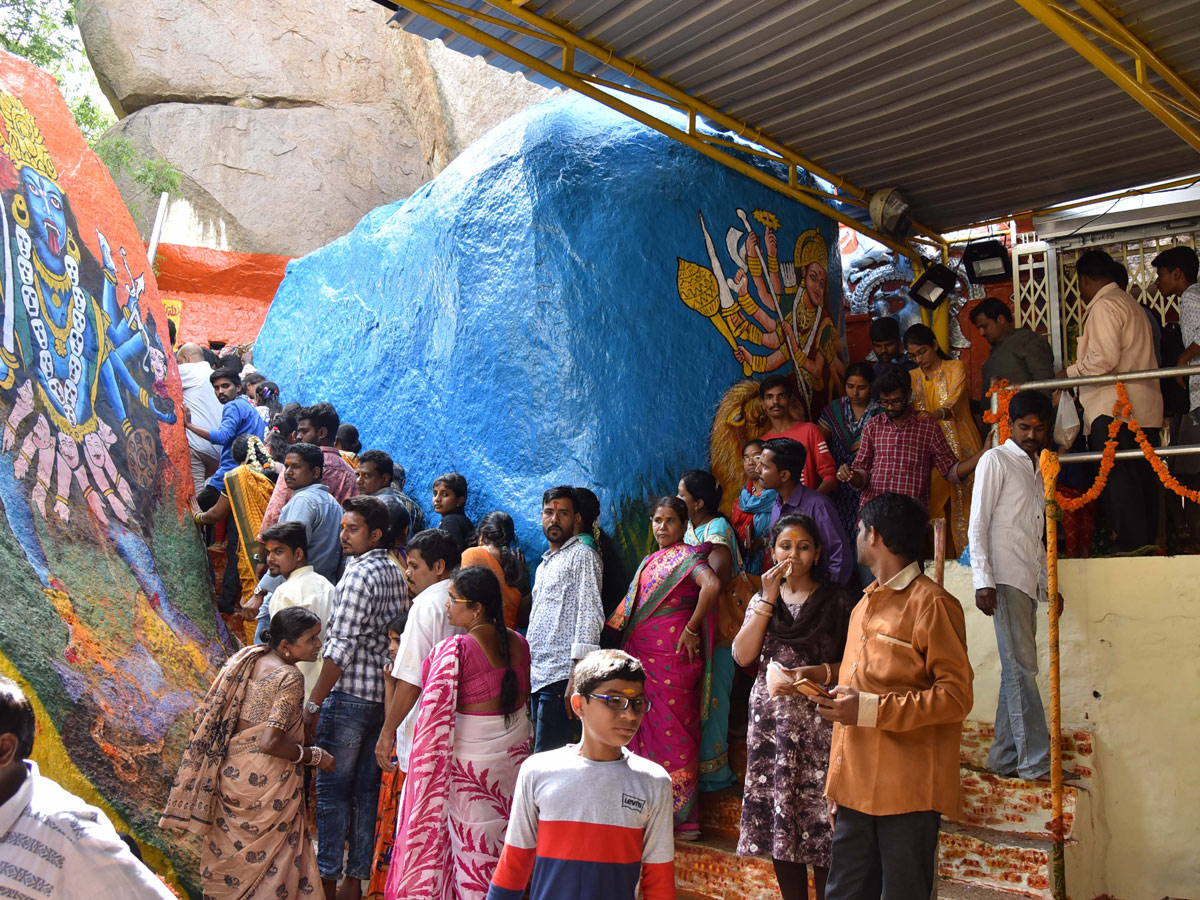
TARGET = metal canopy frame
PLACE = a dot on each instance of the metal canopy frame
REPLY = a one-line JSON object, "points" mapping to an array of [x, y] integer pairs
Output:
{"points": [[528, 24], [1179, 111]]}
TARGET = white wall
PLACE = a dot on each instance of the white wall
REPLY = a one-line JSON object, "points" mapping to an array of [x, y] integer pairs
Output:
{"points": [[1130, 668]]}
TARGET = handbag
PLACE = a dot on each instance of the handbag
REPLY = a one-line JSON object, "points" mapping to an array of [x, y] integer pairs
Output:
{"points": [[732, 604]]}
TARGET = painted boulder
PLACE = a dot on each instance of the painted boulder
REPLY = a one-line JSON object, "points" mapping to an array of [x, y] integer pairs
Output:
{"points": [[108, 621], [566, 303]]}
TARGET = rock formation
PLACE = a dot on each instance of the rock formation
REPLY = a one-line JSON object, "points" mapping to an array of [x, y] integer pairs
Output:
{"points": [[545, 311], [288, 121], [108, 618]]}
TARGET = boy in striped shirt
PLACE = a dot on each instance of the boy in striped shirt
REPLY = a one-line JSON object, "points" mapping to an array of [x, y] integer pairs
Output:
{"points": [[591, 820]]}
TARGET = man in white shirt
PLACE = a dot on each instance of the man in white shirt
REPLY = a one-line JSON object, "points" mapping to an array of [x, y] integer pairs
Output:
{"points": [[1118, 337], [286, 546], [433, 555], [55, 846], [201, 401], [1008, 565]]}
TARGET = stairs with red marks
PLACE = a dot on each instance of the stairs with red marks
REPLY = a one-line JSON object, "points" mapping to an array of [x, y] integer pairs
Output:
{"points": [[999, 848]]}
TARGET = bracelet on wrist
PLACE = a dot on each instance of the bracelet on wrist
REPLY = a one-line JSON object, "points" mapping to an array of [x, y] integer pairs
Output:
{"points": [[300, 757], [687, 629], [828, 673]]}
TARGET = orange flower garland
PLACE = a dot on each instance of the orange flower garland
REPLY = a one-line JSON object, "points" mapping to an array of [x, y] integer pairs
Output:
{"points": [[1122, 416], [999, 418]]}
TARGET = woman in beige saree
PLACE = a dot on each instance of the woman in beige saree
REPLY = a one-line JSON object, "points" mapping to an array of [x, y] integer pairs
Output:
{"points": [[241, 780]]}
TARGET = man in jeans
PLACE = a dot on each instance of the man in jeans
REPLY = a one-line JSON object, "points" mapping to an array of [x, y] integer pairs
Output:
{"points": [[1008, 564], [565, 619], [346, 706]]}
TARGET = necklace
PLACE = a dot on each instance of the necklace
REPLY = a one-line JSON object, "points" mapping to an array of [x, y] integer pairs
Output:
{"points": [[477, 625], [69, 344]]}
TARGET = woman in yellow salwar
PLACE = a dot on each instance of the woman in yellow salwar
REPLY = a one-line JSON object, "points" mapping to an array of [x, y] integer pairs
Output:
{"points": [[241, 780], [247, 492], [939, 388]]}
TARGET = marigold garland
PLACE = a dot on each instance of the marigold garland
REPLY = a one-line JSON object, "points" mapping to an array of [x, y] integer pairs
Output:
{"points": [[1122, 416], [999, 418]]}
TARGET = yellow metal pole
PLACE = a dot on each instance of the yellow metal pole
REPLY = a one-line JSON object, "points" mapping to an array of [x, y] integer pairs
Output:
{"points": [[1048, 14], [941, 315], [436, 14], [1050, 467]]}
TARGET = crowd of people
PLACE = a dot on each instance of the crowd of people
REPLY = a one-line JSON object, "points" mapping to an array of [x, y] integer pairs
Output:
{"points": [[409, 672]]}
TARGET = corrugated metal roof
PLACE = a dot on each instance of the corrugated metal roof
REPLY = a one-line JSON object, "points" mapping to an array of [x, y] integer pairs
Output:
{"points": [[971, 107]]}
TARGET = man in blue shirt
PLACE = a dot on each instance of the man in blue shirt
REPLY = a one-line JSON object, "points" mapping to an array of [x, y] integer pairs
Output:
{"points": [[781, 463], [313, 506], [238, 417]]}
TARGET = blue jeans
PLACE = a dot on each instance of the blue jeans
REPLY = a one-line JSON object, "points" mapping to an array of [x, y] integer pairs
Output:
{"points": [[1022, 744], [348, 797], [551, 727]]}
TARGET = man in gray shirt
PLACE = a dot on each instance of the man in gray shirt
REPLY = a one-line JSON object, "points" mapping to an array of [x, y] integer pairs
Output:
{"points": [[1018, 354], [312, 505]]}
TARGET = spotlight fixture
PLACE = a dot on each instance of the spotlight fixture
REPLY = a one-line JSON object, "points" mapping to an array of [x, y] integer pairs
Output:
{"points": [[986, 262], [889, 214], [933, 287]]}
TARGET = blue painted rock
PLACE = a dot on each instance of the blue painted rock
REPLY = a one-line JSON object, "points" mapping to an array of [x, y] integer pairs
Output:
{"points": [[558, 306]]}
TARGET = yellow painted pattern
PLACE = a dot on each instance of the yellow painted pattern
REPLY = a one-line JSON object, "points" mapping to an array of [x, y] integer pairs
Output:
{"points": [[52, 759]]}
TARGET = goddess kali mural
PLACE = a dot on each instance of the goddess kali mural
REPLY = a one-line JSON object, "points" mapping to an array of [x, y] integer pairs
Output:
{"points": [[82, 377]]}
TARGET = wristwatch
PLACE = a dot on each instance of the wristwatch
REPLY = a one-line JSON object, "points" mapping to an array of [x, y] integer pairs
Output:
{"points": [[311, 708]]}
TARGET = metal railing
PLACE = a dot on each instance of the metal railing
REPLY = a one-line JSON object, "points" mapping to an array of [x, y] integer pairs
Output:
{"points": [[1059, 384]]}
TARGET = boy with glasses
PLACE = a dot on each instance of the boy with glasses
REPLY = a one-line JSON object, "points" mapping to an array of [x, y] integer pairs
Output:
{"points": [[591, 820]]}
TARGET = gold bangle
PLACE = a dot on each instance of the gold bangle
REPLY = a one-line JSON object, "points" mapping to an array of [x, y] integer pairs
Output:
{"points": [[828, 673], [754, 264], [687, 629], [760, 612]]}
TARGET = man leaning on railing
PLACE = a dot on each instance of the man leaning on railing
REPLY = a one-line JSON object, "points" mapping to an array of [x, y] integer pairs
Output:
{"points": [[1117, 338]]}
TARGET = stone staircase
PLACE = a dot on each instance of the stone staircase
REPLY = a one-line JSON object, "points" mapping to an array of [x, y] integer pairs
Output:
{"points": [[998, 850]]}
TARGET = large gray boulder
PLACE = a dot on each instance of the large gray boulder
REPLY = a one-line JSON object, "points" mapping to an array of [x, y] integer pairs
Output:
{"points": [[289, 121]]}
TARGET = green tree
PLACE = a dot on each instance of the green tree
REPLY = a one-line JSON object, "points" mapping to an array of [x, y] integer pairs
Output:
{"points": [[45, 33]]}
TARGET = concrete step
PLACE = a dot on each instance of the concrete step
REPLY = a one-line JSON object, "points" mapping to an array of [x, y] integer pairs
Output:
{"points": [[988, 801], [711, 868], [984, 858], [1077, 747], [1013, 804]]}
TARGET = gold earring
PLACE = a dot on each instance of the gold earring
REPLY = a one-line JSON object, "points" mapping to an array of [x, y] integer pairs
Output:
{"points": [[72, 246], [20, 211]]}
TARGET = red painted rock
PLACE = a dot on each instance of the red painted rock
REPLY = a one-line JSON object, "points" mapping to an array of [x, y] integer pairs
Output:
{"points": [[108, 620]]}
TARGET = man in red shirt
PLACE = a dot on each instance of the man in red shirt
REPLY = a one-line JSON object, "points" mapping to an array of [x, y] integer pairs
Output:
{"points": [[820, 471]]}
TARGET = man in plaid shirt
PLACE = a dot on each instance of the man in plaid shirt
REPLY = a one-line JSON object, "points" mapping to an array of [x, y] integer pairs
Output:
{"points": [[346, 705], [898, 451]]}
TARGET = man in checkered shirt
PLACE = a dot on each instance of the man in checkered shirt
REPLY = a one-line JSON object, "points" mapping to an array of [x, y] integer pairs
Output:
{"points": [[898, 451], [346, 704]]}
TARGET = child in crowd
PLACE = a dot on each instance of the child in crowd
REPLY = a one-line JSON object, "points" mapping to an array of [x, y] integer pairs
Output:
{"points": [[449, 498], [392, 782], [591, 820]]}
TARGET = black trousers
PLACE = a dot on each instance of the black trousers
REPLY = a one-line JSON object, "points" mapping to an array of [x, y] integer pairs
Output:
{"points": [[1130, 500], [883, 857]]}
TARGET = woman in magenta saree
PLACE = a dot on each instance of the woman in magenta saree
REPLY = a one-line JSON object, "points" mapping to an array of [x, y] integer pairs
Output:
{"points": [[667, 621]]}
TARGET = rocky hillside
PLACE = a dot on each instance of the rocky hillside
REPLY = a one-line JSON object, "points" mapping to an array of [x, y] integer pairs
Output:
{"points": [[289, 121]]}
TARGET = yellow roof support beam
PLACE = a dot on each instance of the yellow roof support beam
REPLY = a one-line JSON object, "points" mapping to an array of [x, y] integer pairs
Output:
{"points": [[1179, 111], [459, 19]]}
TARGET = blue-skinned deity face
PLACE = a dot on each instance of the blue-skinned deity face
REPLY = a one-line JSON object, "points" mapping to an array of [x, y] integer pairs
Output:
{"points": [[47, 219]]}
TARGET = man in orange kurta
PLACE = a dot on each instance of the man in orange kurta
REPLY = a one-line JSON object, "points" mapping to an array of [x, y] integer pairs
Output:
{"points": [[903, 692]]}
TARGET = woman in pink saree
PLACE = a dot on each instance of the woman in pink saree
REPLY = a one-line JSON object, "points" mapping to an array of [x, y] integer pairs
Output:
{"points": [[667, 620], [472, 735]]}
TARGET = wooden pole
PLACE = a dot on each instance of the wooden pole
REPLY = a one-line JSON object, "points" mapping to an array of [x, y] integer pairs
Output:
{"points": [[1050, 466]]}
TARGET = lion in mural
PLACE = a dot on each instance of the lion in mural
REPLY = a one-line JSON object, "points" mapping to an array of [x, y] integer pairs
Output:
{"points": [[739, 418]]}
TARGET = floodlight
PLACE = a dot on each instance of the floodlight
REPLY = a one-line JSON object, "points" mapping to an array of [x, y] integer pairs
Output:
{"points": [[933, 287]]}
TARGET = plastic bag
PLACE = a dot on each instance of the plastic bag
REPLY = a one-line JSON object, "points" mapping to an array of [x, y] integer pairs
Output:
{"points": [[1066, 422]]}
